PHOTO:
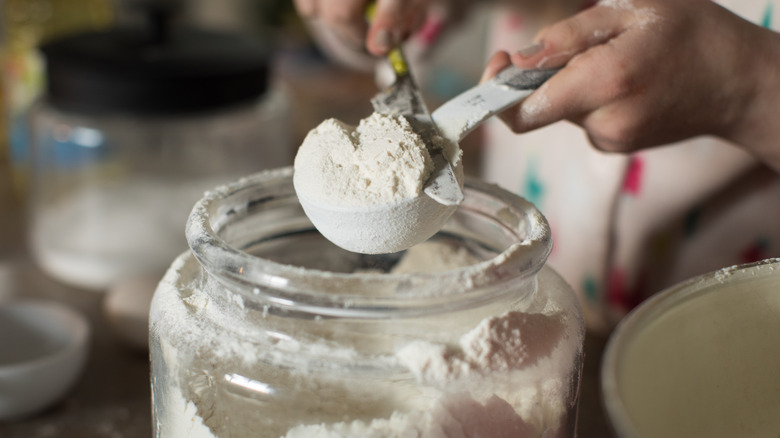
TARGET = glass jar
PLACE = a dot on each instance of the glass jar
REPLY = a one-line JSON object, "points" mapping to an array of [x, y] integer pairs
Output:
{"points": [[266, 329], [699, 359], [129, 134]]}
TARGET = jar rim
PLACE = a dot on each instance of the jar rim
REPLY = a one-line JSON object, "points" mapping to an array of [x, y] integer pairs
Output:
{"points": [[301, 288]]}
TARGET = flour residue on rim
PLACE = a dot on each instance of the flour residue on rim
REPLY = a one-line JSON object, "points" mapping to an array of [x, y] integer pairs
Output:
{"points": [[519, 260]]}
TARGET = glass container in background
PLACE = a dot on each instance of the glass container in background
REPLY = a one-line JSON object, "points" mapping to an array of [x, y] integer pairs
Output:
{"points": [[135, 123], [267, 329]]}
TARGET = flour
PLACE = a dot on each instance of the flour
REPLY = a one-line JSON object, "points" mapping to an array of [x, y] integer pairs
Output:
{"points": [[618, 4], [644, 16], [433, 256], [188, 424], [399, 425], [380, 162], [506, 346], [362, 188], [477, 351], [459, 416], [498, 344], [537, 104], [503, 378]]}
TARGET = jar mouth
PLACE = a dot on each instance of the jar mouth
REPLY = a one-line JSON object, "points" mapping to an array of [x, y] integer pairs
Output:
{"points": [[230, 220]]}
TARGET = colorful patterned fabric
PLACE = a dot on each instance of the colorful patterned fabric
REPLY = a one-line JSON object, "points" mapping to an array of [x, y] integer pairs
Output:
{"points": [[626, 227]]}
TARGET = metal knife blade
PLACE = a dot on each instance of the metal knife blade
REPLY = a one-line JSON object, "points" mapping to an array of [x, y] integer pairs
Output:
{"points": [[404, 98]]}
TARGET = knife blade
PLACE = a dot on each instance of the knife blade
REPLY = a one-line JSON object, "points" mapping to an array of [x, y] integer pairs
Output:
{"points": [[403, 97]]}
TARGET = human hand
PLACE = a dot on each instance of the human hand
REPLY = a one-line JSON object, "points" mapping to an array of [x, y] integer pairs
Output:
{"points": [[392, 23], [649, 72]]}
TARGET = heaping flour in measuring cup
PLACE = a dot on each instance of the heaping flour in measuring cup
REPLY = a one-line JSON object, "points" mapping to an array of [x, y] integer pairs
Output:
{"points": [[381, 161], [363, 187], [523, 352]]}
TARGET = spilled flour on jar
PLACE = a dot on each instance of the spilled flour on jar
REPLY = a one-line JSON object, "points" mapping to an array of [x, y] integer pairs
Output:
{"points": [[503, 377], [380, 161]]}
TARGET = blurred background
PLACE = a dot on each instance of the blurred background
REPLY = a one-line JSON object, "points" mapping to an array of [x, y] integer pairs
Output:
{"points": [[119, 114], [116, 116]]}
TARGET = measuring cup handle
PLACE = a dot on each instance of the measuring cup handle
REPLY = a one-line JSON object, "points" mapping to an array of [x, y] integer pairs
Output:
{"points": [[460, 115]]}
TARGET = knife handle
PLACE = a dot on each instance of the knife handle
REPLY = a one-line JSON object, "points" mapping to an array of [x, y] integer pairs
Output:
{"points": [[461, 114], [398, 62]]}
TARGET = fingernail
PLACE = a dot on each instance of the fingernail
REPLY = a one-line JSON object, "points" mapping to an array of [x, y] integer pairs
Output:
{"points": [[383, 39], [531, 50]]}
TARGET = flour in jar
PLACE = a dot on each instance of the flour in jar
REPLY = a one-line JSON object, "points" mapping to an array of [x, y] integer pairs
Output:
{"points": [[502, 377], [515, 349]]}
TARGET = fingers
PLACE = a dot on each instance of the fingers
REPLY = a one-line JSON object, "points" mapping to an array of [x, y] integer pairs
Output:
{"points": [[553, 101], [393, 21], [306, 8], [589, 81], [348, 18], [345, 17], [498, 62], [558, 43], [598, 69], [543, 107], [392, 24]]}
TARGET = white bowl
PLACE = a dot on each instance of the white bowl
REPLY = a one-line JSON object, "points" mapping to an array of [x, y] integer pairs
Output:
{"points": [[701, 358], [43, 348]]}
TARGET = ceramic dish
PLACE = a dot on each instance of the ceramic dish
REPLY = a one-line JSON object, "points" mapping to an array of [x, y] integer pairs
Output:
{"points": [[43, 348]]}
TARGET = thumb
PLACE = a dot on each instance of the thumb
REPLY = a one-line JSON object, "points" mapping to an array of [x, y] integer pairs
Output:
{"points": [[499, 61]]}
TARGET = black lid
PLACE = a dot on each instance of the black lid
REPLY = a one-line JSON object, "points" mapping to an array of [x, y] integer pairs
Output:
{"points": [[132, 70]]}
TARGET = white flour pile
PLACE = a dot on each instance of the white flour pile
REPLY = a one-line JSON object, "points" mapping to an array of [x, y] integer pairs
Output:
{"points": [[511, 398], [382, 161], [506, 376], [433, 256], [362, 187]]}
